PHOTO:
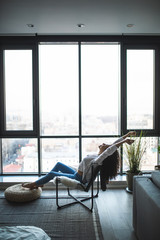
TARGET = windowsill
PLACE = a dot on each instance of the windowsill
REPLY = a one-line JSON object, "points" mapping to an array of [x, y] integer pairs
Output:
{"points": [[6, 181]]}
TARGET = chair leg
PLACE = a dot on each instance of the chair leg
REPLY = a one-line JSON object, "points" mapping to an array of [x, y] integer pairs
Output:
{"points": [[76, 199], [57, 194]]}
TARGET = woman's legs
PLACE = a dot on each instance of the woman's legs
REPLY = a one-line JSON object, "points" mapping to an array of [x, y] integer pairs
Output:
{"points": [[59, 169]]}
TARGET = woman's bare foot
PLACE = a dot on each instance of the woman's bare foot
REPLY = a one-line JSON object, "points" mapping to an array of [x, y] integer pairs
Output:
{"points": [[31, 186]]}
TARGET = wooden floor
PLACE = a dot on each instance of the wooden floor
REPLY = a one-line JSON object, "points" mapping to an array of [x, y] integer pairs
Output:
{"points": [[115, 212]]}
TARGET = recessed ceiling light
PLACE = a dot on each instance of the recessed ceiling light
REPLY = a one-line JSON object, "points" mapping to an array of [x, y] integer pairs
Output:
{"points": [[80, 25], [30, 25], [130, 25]]}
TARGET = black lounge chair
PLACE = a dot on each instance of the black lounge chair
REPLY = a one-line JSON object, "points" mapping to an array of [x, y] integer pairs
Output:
{"points": [[82, 187]]}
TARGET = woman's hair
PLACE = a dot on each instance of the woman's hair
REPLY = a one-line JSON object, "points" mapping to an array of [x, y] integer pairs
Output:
{"points": [[109, 168]]}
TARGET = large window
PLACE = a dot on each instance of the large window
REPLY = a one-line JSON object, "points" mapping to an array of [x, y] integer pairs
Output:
{"points": [[61, 100]]}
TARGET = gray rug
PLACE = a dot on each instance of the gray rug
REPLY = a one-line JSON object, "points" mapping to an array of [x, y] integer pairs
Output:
{"points": [[73, 222]]}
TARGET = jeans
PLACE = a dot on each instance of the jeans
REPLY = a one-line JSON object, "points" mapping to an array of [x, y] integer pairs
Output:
{"points": [[59, 169]]}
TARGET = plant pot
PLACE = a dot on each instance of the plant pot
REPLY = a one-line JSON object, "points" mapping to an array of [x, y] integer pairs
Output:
{"points": [[129, 178]]}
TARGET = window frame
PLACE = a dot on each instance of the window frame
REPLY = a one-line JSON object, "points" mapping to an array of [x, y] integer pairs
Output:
{"points": [[35, 93], [155, 130]]}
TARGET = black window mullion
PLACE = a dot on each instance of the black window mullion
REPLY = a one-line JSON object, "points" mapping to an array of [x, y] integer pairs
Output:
{"points": [[80, 105], [123, 105], [36, 104], [1, 168], [123, 90], [156, 90], [35, 90]]}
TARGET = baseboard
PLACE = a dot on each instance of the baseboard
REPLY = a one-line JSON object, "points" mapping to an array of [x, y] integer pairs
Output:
{"points": [[50, 185]]}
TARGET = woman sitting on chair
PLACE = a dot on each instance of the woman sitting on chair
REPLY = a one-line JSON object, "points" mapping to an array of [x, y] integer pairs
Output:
{"points": [[84, 170]]}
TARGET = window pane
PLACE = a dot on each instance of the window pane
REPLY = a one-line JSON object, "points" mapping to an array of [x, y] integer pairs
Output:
{"points": [[150, 156], [19, 155], [18, 89], [59, 150], [100, 88], [59, 89], [140, 82]]}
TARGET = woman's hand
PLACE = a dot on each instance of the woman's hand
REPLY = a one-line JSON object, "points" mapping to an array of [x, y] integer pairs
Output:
{"points": [[129, 141], [132, 133], [126, 140]]}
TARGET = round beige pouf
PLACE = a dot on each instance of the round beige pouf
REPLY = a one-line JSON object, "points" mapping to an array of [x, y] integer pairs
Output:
{"points": [[17, 193]]}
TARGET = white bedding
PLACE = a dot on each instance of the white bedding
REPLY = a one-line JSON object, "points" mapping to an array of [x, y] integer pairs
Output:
{"points": [[23, 233]]}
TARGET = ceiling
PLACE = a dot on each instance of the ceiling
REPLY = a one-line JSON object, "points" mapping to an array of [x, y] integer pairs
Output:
{"points": [[60, 17]]}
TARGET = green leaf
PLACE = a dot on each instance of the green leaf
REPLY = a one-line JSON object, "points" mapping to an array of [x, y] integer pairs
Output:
{"points": [[135, 152]]}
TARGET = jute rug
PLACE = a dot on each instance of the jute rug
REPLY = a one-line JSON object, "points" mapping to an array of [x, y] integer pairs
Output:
{"points": [[73, 222]]}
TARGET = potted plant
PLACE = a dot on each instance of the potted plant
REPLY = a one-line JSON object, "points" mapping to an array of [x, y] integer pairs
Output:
{"points": [[134, 154]]}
